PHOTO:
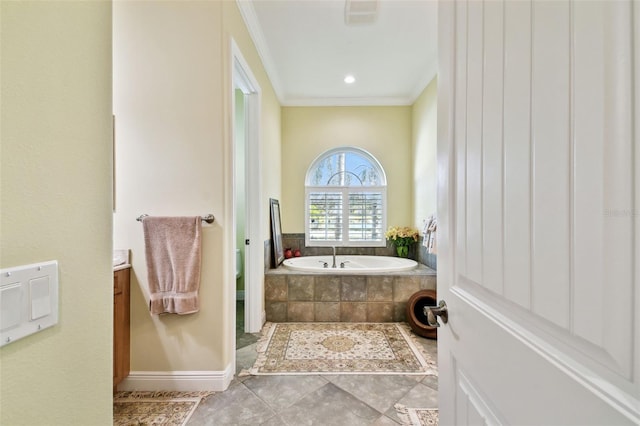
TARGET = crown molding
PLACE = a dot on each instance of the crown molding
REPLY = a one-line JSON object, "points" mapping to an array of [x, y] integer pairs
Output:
{"points": [[364, 101], [428, 78], [250, 19]]}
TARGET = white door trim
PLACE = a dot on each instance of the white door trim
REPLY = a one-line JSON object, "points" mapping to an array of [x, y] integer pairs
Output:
{"points": [[243, 78], [446, 207]]}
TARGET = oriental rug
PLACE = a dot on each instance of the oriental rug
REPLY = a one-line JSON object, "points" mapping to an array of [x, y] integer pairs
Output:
{"points": [[155, 408], [340, 348], [417, 416]]}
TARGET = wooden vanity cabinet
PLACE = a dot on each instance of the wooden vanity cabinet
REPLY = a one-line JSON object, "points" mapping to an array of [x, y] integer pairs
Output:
{"points": [[121, 321]]}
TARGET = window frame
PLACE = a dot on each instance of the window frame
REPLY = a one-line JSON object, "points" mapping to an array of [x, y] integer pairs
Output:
{"points": [[345, 191]]}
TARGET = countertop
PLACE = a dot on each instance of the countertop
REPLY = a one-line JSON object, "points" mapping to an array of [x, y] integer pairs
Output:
{"points": [[121, 259], [121, 267]]}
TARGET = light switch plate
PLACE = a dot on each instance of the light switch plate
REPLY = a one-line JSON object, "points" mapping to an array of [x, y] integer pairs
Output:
{"points": [[28, 300], [10, 301], [40, 297]]}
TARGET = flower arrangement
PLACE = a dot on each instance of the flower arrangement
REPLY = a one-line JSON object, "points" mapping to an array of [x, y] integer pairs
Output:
{"points": [[402, 238]]}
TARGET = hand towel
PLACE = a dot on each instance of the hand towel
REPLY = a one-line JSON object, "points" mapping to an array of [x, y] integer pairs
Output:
{"points": [[173, 252], [425, 231], [429, 235], [432, 246]]}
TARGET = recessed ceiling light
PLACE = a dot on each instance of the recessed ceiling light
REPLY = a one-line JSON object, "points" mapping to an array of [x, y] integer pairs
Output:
{"points": [[349, 79]]}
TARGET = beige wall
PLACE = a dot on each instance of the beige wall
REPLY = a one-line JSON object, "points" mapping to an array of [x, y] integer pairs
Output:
{"points": [[270, 132], [172, 100], [423, 147], [307, 132], [55, 187]]}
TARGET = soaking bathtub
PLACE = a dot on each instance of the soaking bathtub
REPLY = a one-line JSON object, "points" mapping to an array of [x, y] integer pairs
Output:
{"points": [[367, 289], [345, 264]]}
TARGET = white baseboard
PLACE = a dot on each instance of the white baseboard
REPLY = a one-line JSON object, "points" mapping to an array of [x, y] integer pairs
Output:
{"points": [[239, 294], [177, 380]]}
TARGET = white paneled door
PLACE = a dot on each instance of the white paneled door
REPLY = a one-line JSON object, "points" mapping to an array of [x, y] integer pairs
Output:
{"points": [[539, 212]]}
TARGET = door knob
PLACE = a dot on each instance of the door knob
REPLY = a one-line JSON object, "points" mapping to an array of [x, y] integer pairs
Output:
{"points": [[432, 312]]}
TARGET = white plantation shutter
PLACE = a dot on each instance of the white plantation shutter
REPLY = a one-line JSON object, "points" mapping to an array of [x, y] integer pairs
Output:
{"points": [[345, 200], [365, 216], [325, 214]]}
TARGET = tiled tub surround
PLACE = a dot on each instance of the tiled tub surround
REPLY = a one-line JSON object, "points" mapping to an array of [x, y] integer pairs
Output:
{"points": [[292, 296], [417, 252]]}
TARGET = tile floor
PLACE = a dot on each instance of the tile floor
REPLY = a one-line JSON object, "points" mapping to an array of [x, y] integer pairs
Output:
{"points": [[242, 339], [316, 399]]}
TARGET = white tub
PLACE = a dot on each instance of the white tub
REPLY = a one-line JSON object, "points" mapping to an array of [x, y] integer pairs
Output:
{"points": [[352, 264]]}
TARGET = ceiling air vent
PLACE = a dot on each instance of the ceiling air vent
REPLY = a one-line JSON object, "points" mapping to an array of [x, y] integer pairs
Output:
{"points": [[360, 11]]}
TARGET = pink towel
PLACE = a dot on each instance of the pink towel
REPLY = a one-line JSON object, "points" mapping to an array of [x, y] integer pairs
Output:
{"points": [[173, 251]]}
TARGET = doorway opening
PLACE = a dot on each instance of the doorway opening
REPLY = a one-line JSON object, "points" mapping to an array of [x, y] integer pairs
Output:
{"points": [[240, 143], [249, 257]]}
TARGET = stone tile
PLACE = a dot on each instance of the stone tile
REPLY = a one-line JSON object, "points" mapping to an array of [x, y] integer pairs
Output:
{"points": [[268, 258], [354, 289], [428, 282], [429, 345], [384, 251], [314, 251], [280, 392], [404, 287], [327, 289], [421, 396], [379, 289], [379, 312], [300, 287], [353, 312], [294, 400], [293, 241], [327, 311], [245, 339], [385, 421], [274, 421], [378, 391], [276, 311], [245, 358], [431, 381], [275, 288], [298, 235], [352, 251], [236, 405], [400, 311], [430, 260], [300, 312], [329, 405]]}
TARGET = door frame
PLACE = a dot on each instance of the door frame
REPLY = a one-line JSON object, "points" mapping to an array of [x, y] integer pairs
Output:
{"points": [[243, 78], [446, 207]]}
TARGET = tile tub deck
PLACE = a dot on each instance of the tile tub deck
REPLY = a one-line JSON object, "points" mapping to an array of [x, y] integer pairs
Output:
{"points": [[293, 296]]}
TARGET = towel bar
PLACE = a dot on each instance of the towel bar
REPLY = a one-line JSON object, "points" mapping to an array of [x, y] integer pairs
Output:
{"points": [[208, 218]]}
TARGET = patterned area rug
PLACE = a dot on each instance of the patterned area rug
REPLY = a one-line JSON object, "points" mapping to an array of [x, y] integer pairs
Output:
{"points": [[155, 408], [417, 416], [340, 348]]}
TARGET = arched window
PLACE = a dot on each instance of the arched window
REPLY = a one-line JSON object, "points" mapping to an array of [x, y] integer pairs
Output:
{"points": [[346, 199]]}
